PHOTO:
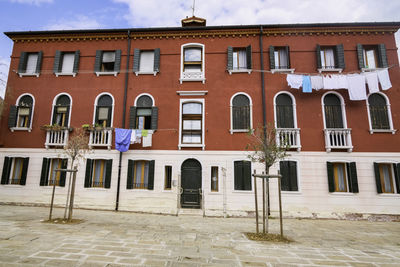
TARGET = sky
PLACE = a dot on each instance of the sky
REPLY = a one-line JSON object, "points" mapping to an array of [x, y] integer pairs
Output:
{"points": [[38, 15]]}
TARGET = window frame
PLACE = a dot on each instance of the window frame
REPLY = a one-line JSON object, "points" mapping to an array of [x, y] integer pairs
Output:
{"points": [[8, 171], [201, 76], [389, 114], [181, 103], [92, 173], [47, 163], [218, 179], [293, 109], [29, 128], [298, 177], [343, 108], [168, 189], [394, 179], [60, 56], [55, 105], [22, 71], [348, 177], [231, 130], [151, 172], [251, 180], [112, 108], [99, 61], [154, 113]]}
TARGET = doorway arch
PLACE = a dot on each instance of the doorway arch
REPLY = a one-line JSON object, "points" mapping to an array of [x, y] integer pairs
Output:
{"points": [[191, 183]]}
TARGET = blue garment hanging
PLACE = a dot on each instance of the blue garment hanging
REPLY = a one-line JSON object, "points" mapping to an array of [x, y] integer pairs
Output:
{"points": [[307, 84], [122, 139]]}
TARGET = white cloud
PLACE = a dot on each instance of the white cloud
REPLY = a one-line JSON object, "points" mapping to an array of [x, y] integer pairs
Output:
{"points": [[32, 2], [77, 22], [4, 66]]}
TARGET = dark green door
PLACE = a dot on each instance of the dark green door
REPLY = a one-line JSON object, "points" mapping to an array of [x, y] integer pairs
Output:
{"points": [[191, 184]]}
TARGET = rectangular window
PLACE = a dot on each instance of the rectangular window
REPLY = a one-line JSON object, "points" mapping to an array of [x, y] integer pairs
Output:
{"points": [[327, 58], [387, 178], [168, 178], [31, 63], [140, 174], [60, 116], [340, 174], [50, 175], [192, 59], [143, 118], [281, 58], [98, 173], [239, 58], [67, 62], [242, 175], [146, 61], [23, 117], [192, 123], [108, 61], [342, 177], [214, 179], [54, 176], [288, 171], [370, 58], [14, 170]]}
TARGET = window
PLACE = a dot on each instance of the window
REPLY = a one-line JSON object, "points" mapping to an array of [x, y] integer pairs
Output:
{"points": [[192, 66], [107, 62], [66, 63], [241, 115], [387, 176], [379, 113], [30, 63], [342, 177], [104, 107], [192, 126], [279, 58], [146, 61], [239, 59], [214, 179], [284, 111], [288, 171], [330, 58], [371, 56], [61, 111], [49, 175], [140, 174], [98, 173], [144, 115], [242, 175], [168, 178], [15, 170], [20, 116], [333, 111]]}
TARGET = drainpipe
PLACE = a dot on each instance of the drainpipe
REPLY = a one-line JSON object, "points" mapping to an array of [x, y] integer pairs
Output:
{"points": [[123, 114]]}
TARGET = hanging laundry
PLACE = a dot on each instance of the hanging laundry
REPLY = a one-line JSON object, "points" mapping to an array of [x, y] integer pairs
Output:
{"points": [[136, 137], [294, 80], [316, 82], [342, 82], [372, 81], [122, 139], [357, 87], [384, 79], [331, 82], [147, 140], [144, 133], [306, 84]]}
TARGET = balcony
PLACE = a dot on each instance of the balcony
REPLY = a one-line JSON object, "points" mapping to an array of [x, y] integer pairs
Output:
{"points": [[56, 137], [338, 139], [192, 76], [288, 136], [100, 137]]}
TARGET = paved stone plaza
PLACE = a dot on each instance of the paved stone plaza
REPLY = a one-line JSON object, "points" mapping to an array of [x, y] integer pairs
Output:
{"points": [[107, 238]]}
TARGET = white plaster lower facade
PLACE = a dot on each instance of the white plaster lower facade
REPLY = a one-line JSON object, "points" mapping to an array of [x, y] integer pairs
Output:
{"points": [[312, 199]]}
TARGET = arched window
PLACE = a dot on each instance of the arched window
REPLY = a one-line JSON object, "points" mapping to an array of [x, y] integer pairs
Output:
{"points": [[333, 110], [104, 109], [20, 116], [284, 111], [241, 117], [379, 112], [61, 111], [144, 115]]}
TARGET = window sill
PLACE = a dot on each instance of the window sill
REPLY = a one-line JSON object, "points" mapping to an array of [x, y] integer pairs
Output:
{"points": [[146, 73], [20, 129], [282, 70], [247, 192], [13, 185], [214, 193], [330, 70], [291, 192], [203, 80], [97, 188], [384, 195], [240, 71], [191, 145], [371, 69], [28, 74], [372, 131], [73, 74], [349, 194], [239, 131], [104, 73]]}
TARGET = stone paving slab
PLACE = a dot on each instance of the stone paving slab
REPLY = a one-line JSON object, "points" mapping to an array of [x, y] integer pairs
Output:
{"points": [[107, 238]]}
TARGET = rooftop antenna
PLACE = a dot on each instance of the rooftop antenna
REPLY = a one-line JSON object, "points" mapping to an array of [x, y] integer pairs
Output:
{"points": [[194, 3]]}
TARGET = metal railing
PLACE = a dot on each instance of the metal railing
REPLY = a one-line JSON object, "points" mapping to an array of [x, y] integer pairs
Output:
{"points": [[100, 137], [56, 138], [289, 137], [338, 139]]}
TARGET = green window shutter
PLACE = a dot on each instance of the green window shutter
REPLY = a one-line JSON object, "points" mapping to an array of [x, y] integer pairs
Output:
{"points": [[382, 58], [229, 64], [63, 175], [271, 57], [151, 175], [249, 57], [97, 62], [22, 62], [352, 173], [156, 60], [88, 173], [57, 62], [397, 176], [24, 171], [44, 175], [96, 116], [117, 64], [76, 61], [293, 176], [288, 56], [67, 116], [30, 116], [39, 62], [284, 170], [339, 56], [318, 51], [129, 181], [360, 56], [136, 60], [247, 175], [132, 117], [378, 178], [6, 170], [12, 117], [107, 183], [154, 118], [331, 178], [238, 173]]}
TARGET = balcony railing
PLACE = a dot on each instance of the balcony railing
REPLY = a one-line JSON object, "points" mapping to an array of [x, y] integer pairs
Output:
{"points": [[100, 138], [338, 139], [289, 137], [57, 137], [192, 76]]}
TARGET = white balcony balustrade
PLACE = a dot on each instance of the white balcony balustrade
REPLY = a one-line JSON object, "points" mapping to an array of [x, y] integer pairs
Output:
{"points": [[101, 137], [338, 139], [192, 76], [288, 137], [56, 138]]}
